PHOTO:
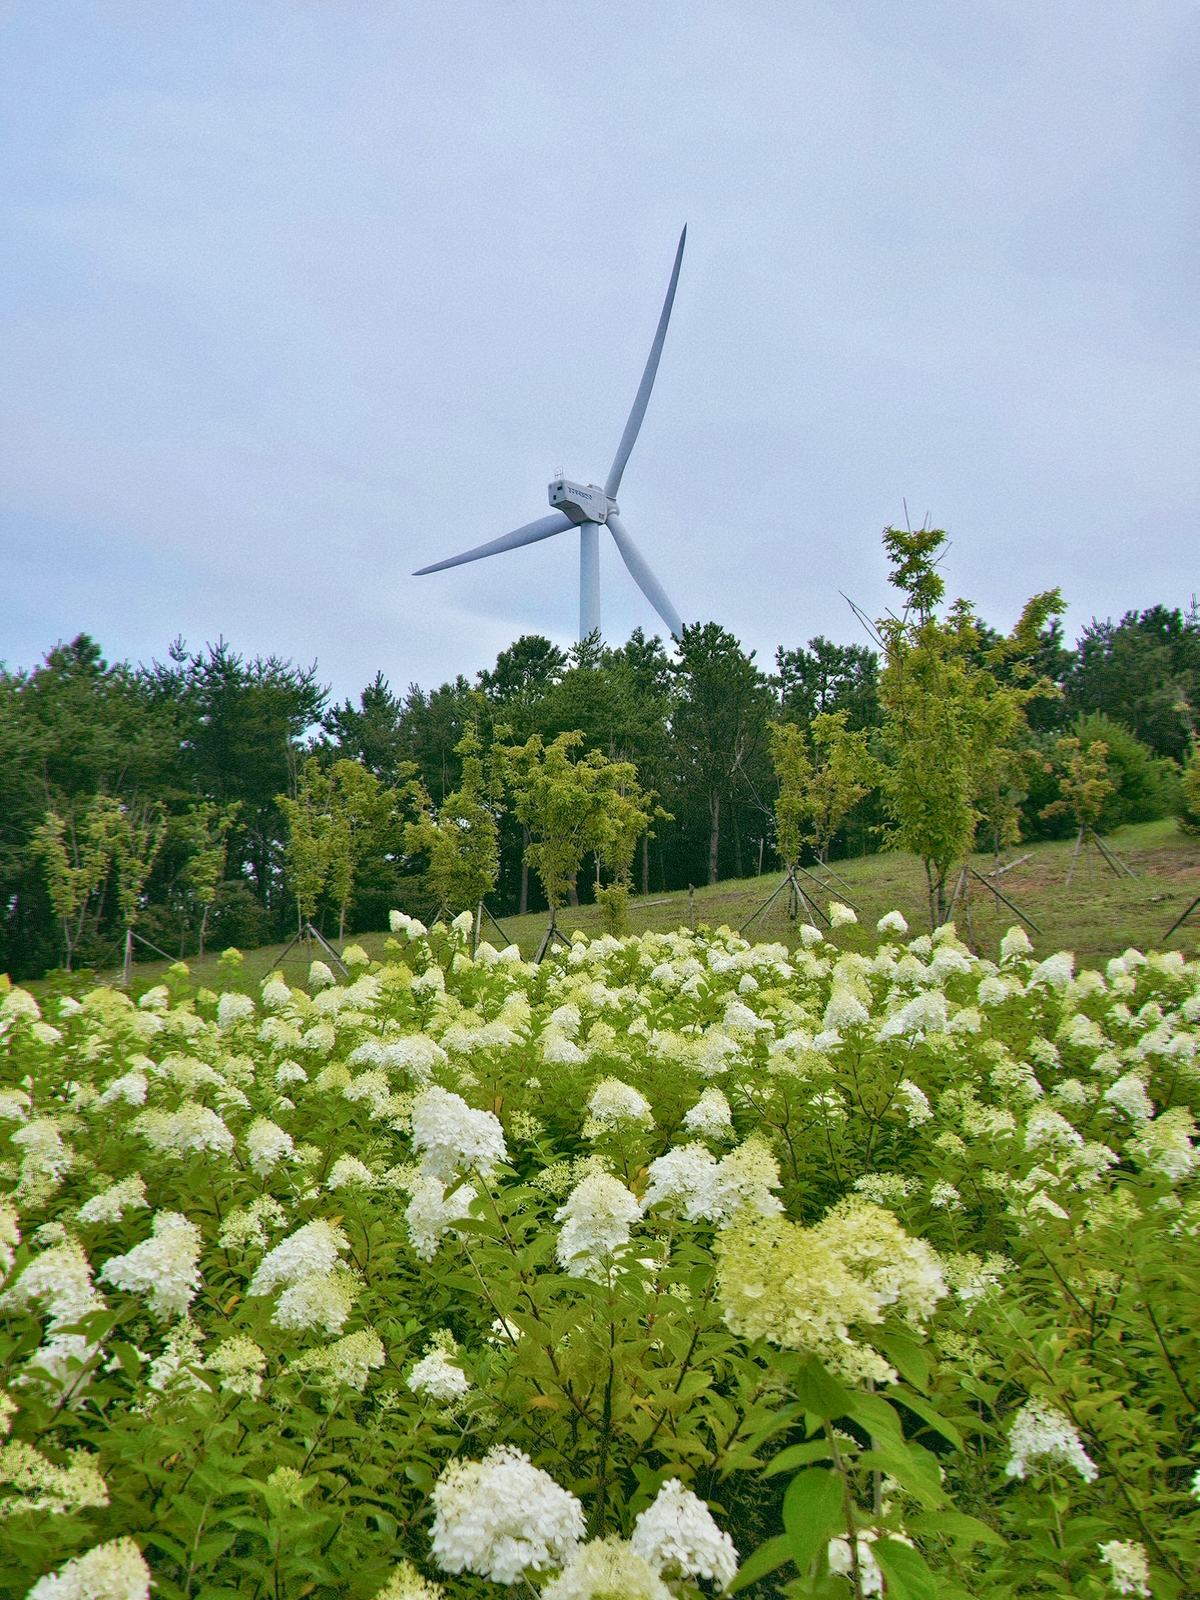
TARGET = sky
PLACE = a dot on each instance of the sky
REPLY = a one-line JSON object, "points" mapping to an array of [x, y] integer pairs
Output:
{"points": [[297, 296]]}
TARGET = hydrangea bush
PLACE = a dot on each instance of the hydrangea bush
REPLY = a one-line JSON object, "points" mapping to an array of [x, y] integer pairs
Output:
{"points": [[870, 1266]]}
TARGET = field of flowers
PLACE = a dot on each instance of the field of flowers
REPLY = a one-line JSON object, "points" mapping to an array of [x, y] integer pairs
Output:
{"points": [[874, 1274]]}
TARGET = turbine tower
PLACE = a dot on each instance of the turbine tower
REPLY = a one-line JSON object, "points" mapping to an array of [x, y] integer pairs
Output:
{"points": [[589, 508]]}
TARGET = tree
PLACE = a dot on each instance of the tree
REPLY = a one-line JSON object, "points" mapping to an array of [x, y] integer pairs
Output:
{"points": [[1084, 783], [136, 838], [76, 852], [817, 791], [826, 678], [340, 816], [572, 806], [1144, 672], [719, 721], [206, 831], [461, 837], [952, 711]]}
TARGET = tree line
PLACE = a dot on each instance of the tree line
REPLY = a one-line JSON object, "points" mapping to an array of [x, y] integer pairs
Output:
{"points": [[173, 799]]}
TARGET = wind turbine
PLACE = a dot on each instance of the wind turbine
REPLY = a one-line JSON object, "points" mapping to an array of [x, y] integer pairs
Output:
{"points": [[588, 507]]}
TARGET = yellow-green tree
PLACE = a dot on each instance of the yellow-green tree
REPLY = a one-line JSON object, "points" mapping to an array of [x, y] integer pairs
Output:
{"points": [[76, 853], [137, 835], [461, 838], [206, 832], [573, 806], [1189, 810], [339, 816], [953, 708], [817, 790]]}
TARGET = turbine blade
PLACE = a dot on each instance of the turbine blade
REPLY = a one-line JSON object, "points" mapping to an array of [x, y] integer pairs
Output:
{"points": [[642, 399], [543, 528], [639, 571]]}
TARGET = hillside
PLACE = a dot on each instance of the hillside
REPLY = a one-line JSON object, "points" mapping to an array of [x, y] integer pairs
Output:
{"points": [[1097, 917]]}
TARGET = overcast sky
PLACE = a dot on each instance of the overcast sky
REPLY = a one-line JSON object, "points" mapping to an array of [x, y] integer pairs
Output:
{"points": [[298, 296]]}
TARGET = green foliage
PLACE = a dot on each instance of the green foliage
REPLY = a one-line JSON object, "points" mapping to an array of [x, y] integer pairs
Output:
{"points": [[815, 793], [572, 807], [973, 1206], [461, 839], [953, 714]]}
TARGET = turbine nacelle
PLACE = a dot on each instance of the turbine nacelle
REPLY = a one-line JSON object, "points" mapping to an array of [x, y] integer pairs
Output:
{"points": [[581, 502]]}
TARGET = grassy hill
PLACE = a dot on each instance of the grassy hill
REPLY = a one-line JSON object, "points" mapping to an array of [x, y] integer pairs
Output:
{"points": [[1098, 916]]}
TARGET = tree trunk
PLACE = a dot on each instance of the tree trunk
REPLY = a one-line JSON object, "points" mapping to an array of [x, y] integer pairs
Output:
{"points": [[646, 862], [737, 846], [524, 870], [572, 893], [203, 925], [342, 926], [714, 836]]}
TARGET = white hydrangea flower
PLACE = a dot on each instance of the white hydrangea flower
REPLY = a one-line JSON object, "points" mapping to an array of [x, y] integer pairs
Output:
{"points": [[1041, 1433], [314, 1248], [892, 922], [502, 1517], [289, 1072], [711, 1115], [348, 1172], [275, 991], [841, 916], [993, 990], [1045, 1126], [192, 1128], [19, 1004], [679, 1538], [597, 1218], [451, 1135], [436, 1375], [130, 1087], [711, 1190], [46, 1155], [885, 1188], [1129, 1095], [174, 1368], [1014, 944], [914, 1102], [1128, 1564], [347, 1362], [925, 1013], [14, 1105], [113, 1571], [1055, 972], [322, 1300], [240, 1364], [614, 1104], [605, 1568], [944, 1196], [164, 1267], [112, 1203], [432, 1212], [1165, 1144], [233, 1008], [320, 976], [845, 1010], [267, 1144], [870, 1575]]}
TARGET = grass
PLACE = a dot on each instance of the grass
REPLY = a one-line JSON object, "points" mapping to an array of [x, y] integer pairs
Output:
{"points": [[1097, 917]]}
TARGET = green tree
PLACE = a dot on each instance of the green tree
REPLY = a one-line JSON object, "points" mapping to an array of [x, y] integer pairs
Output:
{"points": [[76, 853], [952, 711], [572, 806], [206, 832], [460, 838], [719, 723], [816, 791], [137, 837]]}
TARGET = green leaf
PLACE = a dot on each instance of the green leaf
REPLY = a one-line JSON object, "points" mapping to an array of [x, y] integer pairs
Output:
{"points": [[765, 1559], [813, 1511], [877, 1417], [913, 1467], [908, 1357], [908, 1578], [954, 1525], [797, 1455], [929, 1414], [819, 1392]]}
